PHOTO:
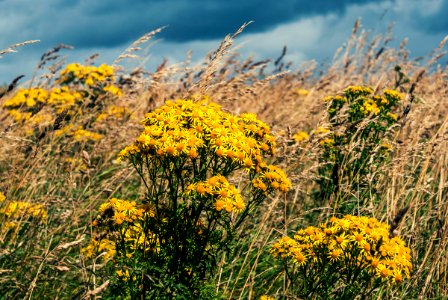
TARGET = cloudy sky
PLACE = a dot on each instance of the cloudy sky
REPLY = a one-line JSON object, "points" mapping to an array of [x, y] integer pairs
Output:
{"points": [[312, 29]]}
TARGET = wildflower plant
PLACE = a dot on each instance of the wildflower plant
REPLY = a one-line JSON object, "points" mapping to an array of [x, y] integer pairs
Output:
{"points": [[188, 157], [78, 90], [343, 259], [16, 217], [355, 144]]}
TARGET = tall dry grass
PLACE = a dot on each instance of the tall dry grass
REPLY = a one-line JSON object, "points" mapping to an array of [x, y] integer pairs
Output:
{"points": [[413, 191]]}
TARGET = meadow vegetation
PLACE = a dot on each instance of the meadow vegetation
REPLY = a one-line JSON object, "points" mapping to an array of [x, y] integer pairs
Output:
{"points": [[229, 179]]}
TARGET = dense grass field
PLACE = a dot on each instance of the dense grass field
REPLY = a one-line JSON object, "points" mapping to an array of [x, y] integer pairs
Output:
{"points": [[363, 141]]}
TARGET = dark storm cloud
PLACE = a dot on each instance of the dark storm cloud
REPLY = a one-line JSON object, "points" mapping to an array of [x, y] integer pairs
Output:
{"points": [[103, 23], [214, 19], [312, 29]]}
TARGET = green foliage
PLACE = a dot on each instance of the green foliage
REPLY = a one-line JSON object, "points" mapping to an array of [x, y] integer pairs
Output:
{"points": [[355, 145], [167, 247], [344, 259]]}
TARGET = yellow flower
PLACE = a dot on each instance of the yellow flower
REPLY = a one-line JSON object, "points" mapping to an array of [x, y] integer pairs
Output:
{"points": [[113, 90], [83, 135], [341, 240], [301, 136], [382, 271], [192, 125], [104, 248], [220, 204], [393, 95], [357, 91], [362, 242], [386, 146], [322, 130], [398, 277], [370, 107], [334, 255], [88, 75], [327, 142], [238, 204], [15, 210], [392, 116], [302, 92], [124, 275]]}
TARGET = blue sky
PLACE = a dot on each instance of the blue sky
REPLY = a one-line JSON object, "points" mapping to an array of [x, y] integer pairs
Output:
{"points": [[312, 29]]}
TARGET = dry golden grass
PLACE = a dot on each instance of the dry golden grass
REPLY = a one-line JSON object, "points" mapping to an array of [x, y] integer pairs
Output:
{"points": [[46, 262]]}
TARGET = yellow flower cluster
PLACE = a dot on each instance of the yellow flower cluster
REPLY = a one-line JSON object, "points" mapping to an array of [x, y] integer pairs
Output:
{"points": [[186, 128], [124, 275], [96, 247], [61, 98], [127, 216], [19, 116], [112, 89], [39, 107], [393, 95], [137, 239], [266, 297], [14, 212], [116, 112], [82, 135], [370, 107], [27, 97], [352, 241], [272, 178], [78, 133], [301, 136], [321, 130], [373, 104], [119, 211], [361, 104], [357, 91], [302, 92], [227, 196], [392, 116], [337, 98], [327, 142], [17, 210], [89, 75]]}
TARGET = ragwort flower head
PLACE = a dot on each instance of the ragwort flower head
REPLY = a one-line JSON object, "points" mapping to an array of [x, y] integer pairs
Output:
{"points": [[102, 247], [272, 178], [226, 196], [393, 96], [86, 74], [125, 218], [354, 92], [31, 99], [184, 128], [351, 241], [78, 133], [118, 211], [101, 77], [301, 136], [114, 112], [27, 98], [15, 210]]}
